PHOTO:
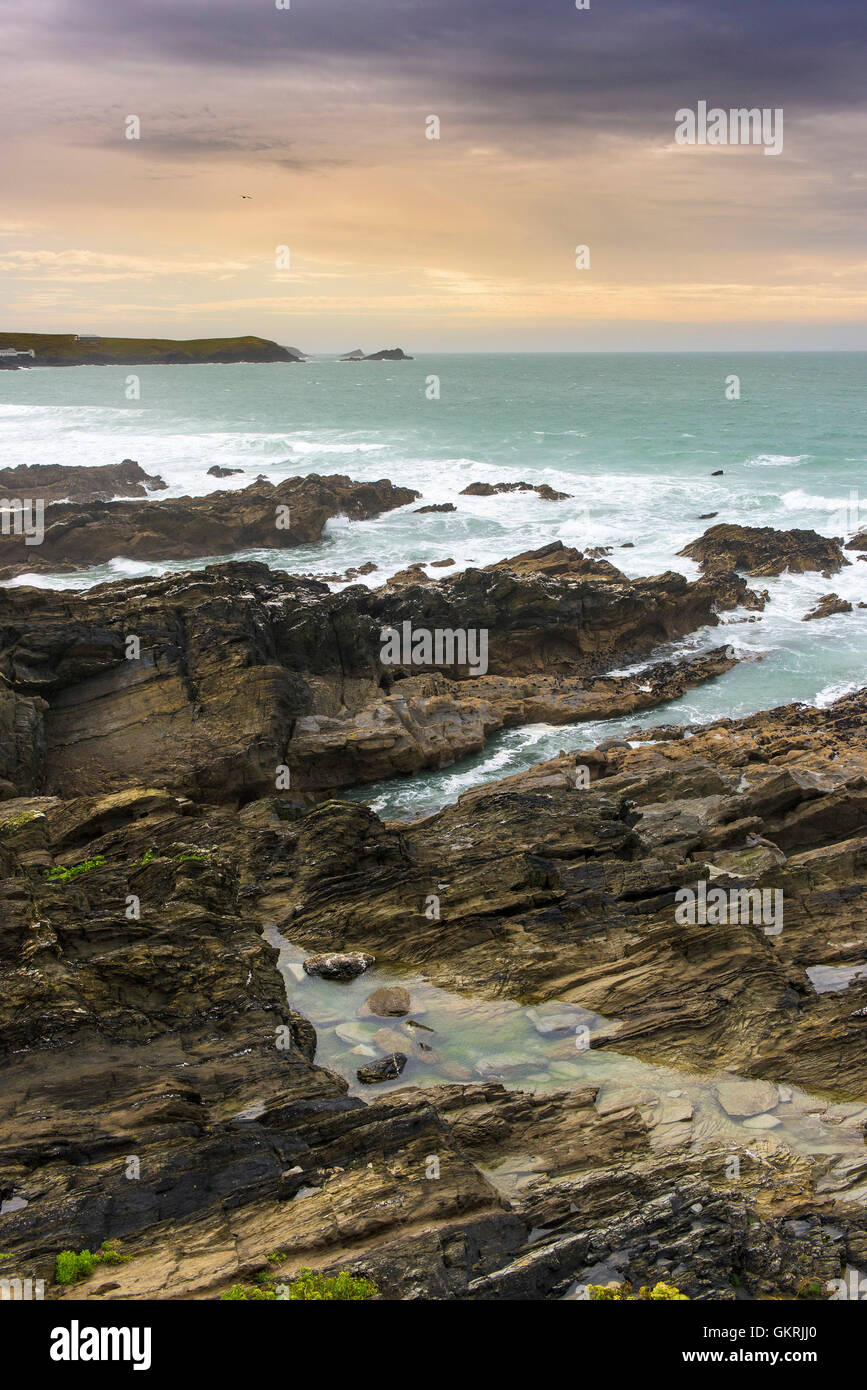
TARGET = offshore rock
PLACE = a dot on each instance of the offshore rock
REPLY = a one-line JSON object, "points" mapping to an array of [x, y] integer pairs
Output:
{"points": [[56, 482], [262, 516], [762, 551]]}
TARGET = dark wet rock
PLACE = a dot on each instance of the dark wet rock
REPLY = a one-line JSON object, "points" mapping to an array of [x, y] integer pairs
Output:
{"points": [[217, 472], [717, 473], [262, 516], [706, 516], [827, 607], [168, 1036], [762, 551], [437, 507], [55, 482], [338, 965], [491, 489], [382, 1069], [241, 670]]}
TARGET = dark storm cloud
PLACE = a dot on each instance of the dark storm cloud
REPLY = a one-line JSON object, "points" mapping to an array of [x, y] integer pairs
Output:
{"points": [[543, 60]]}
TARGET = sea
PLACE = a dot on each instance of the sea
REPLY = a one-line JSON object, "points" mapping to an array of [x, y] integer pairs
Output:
{"points": [[634, 439]]}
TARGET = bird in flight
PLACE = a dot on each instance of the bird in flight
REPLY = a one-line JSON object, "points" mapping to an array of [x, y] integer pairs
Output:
{"points": [[246, 195]]}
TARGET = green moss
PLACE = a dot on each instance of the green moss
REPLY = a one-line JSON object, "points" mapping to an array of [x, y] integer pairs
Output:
{"points": [[70, 1267], [606, 1293], [812, 1289], [657, 1293], [307, 1286], [248, 1293], [662, 1293], [60, 874], [15, 823], [311, 1286]]}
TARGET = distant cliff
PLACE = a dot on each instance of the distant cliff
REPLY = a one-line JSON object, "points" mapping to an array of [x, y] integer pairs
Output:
{"points": [[69, 350]]}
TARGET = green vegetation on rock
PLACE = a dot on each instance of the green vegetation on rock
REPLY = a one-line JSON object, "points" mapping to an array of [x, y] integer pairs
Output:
{"points": [[308, 1286], [603, 1293], [70, 1267], [59, 874]]}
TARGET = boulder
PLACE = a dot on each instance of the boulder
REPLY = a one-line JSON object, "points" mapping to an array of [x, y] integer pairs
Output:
{"points": [[742, 1098], [339, 965], [389, 1002]]}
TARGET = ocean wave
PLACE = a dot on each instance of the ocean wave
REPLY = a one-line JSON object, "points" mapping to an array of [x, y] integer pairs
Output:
{"points": [[830, 693], [776, 460]]}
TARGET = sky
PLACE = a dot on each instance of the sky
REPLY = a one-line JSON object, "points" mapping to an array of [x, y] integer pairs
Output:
{"points": [[556, 130]]}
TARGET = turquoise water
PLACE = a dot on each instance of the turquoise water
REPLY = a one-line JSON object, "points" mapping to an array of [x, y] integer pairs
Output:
{"points": [[634, 438]]}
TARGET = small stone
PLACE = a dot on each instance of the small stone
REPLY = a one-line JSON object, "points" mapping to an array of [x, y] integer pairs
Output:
{"points": [[383, 1069], [761, 1122], [739, 1098], [339, 965], [391, 1002]]}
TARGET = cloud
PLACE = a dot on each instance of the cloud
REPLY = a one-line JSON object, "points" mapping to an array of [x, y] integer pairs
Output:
{"points": [[97, 266]]}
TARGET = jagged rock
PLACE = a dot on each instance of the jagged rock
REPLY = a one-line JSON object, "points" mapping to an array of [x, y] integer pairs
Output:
{"points": [[57, 482], [168, 1036], [762, 551], [339, 965], [827, 606], [436, 507], [241, 670], [262, 516], [491, 489], [217, 472], [229, 1128]]}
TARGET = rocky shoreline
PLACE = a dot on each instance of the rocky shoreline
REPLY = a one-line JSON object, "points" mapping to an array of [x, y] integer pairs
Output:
{"points": [[592, 1088]]}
